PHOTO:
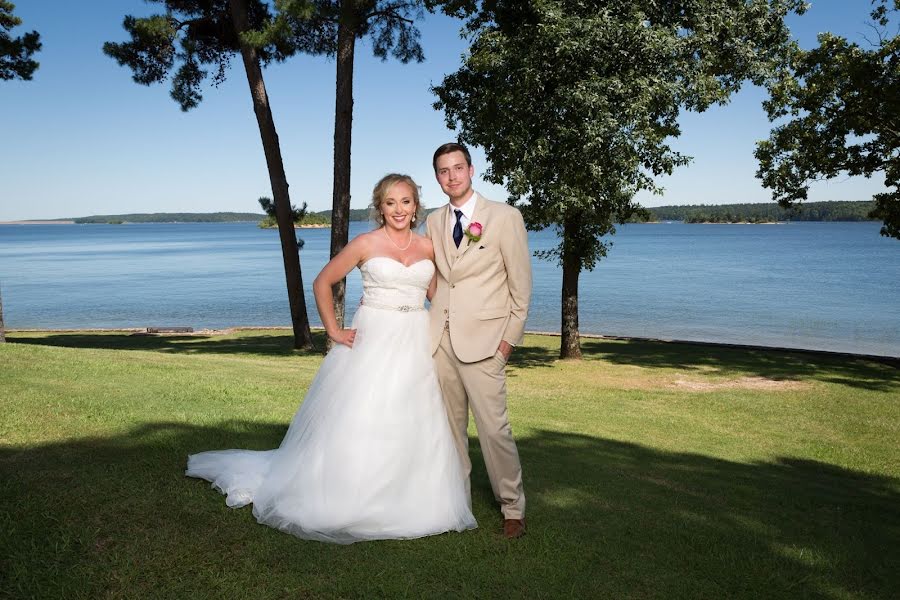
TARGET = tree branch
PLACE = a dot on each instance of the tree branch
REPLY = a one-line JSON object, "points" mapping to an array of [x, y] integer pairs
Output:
{"points": [[180, 24], [389, 13]]}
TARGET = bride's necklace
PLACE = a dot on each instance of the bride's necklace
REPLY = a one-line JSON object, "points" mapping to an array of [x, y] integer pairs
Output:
{"points": [[403, 249]]}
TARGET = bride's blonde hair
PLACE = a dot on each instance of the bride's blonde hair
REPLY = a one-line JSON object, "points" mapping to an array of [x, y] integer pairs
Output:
{"points": [[381, 190]]}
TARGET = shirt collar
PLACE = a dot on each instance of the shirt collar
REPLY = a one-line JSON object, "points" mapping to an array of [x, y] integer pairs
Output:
{"points": [[468, 209]]}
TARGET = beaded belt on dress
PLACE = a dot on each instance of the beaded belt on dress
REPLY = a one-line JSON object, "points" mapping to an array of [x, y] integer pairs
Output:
{"points": [[397, 307]]}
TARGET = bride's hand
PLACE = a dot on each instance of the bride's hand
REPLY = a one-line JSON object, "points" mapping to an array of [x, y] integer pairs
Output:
{"points": [[343, 336]]}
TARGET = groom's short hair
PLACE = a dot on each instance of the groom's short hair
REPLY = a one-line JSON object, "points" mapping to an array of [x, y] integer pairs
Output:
{"points": [[447, 149]]}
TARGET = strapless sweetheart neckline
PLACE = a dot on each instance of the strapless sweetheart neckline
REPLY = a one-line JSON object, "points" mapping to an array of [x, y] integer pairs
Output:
{"points": [[394, 260]]}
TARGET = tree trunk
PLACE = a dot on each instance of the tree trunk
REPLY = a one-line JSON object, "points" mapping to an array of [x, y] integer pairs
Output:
{"points": [[2, 328], [277, 178], [343, 125], [570, 344]]}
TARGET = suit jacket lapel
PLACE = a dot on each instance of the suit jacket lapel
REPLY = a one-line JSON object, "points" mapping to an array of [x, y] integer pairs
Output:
{"points": [[447, 237]]}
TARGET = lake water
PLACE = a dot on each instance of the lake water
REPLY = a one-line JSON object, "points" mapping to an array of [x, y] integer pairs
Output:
{"points": [[829, 286]]}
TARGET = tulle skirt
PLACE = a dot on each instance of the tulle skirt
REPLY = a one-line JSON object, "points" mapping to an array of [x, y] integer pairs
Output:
{"points": [[369, 454]]}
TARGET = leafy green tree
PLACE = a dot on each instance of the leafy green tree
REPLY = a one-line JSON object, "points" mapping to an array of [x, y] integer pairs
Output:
{"points": [[196, 34], [574, 101], [332, 28], [16, 53], [842, 105]]}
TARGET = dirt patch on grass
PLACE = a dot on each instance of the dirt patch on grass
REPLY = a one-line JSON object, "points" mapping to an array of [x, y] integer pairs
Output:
{"points": [[743, 383]]}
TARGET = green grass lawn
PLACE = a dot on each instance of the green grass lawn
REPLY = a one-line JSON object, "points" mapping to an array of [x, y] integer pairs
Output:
{"points": [[651, 470]]}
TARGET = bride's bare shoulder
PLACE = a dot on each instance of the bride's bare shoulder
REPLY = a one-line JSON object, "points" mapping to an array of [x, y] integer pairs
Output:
{"points": [[368, 239], [425, 245], [363, 244]]}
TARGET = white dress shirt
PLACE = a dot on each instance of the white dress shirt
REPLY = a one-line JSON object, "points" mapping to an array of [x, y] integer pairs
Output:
{"points": [[468, 212]]}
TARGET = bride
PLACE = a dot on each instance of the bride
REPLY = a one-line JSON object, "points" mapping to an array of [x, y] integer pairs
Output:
{"points": [[369, 454]]}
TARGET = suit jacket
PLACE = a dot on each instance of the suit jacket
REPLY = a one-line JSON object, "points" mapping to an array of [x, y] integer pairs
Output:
{"points": [[483, 287]]}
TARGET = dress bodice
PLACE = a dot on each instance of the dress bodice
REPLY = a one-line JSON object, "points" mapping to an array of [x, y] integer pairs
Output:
{"points": [[389, 284]]}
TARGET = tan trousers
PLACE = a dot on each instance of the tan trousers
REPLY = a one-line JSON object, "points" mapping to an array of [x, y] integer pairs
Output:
{"points": [[482, 385]]}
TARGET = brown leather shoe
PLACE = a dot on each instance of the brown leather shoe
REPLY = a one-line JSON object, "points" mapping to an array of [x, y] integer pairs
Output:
{"points": [[513, 528]]}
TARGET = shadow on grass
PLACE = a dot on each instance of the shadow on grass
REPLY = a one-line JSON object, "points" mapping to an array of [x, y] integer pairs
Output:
{"points": [[771, 364], [276, 344], [116, 517]]}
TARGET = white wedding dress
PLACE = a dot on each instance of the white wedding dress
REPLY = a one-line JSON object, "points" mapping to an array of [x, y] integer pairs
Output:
{"points": [[369, 454]]}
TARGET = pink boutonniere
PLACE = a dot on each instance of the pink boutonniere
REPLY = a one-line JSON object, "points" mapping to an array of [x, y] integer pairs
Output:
{"points": [[474, 231]]}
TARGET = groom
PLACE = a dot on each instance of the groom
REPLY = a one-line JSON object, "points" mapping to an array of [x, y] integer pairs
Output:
{"points": [[477, 317]]}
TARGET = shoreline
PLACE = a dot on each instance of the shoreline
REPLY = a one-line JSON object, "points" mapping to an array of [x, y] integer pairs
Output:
{"points": [[308, 226], [887, 359]]}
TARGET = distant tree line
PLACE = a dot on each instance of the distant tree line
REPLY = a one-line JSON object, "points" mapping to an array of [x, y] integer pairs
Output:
{"points": [[694, 213], [217, 217], [309, 218], [764, 213], [355, 214], [265, 220]]}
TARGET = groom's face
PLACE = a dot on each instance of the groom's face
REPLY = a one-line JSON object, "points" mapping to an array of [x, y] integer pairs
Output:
{"points": [[454, 175]]}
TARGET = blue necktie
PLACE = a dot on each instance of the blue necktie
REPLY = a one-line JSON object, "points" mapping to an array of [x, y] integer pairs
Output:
{"points": [[457, 229]]}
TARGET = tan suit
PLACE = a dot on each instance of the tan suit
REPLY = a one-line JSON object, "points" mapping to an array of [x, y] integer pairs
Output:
{"points": [[483, 290]]}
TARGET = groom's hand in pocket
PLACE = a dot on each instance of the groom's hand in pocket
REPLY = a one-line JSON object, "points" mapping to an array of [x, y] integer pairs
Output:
{"points": [[343, 336], [506, 348]]}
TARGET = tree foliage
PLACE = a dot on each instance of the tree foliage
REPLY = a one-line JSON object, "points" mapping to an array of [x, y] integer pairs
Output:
{"points": [[312, 26], [842, 105], [16, 52], [300, 216], [192, 42], [575, 101], [269, 208]]}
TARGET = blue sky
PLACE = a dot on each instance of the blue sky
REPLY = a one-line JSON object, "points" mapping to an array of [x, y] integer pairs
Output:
{"points": [[82, 138]]}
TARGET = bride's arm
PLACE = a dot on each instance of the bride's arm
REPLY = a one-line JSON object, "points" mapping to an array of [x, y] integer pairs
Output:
{"points": [[336, 269]]}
